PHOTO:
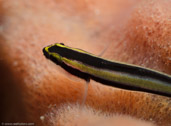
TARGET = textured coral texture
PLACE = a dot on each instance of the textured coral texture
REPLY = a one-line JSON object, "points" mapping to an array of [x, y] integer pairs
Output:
{"points": [[35, 90]]}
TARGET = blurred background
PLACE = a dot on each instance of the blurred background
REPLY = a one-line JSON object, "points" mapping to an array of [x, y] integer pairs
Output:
{"points": [[135, 32]]}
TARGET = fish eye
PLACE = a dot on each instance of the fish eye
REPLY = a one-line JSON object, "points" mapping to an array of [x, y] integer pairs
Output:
{"points": [[62, 43]]}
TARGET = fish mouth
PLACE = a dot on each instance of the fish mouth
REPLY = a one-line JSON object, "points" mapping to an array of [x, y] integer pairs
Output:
{"points": [[46, 54]]}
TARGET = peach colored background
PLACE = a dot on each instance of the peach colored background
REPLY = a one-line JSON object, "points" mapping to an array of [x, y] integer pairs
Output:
{"points": [[136, 32]]}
